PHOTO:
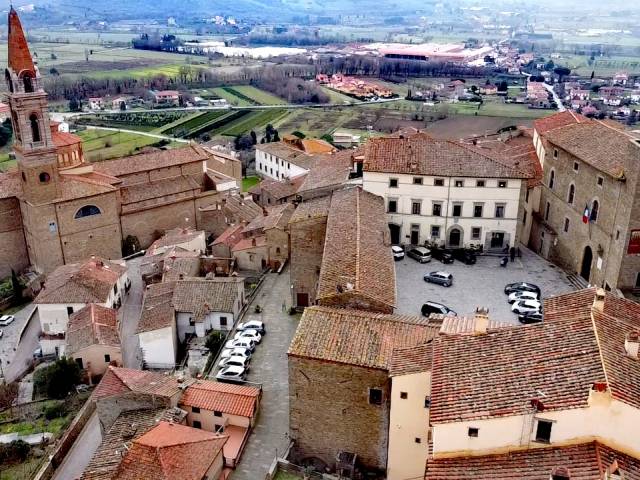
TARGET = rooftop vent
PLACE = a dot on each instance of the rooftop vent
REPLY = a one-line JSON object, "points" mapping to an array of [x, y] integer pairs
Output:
{"points": [[598, 301], [481, 320], [631, 344]]}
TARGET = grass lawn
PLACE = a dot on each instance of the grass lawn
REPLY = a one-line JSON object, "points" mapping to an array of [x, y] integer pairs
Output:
{"points": [[493, 108], [6, 164], [249, 182], [101, 145], [170, 70], [231, 98], [24, 470], [260, 96]]}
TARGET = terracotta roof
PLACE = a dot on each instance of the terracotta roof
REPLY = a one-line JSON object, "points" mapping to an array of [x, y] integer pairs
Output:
{"points": [[314, 208], [170, 451], [330, 170], [357, 256], [587, 461], [421, 154], [201, 296], [606, 149], [79, 186], [278, 189], [153, 160], [19, 58], [222, 397], [277, 217], [141, 192], [408, 360], [243, 208], [357, 337], [177, 268], [92, 325], [464, 325], [557, 120], [231, 236], [118, 380], [87, 282], [10, 185], [316, 145], [174, 237], [248, 243], [64, 139], [157, 308], [288, 153]]}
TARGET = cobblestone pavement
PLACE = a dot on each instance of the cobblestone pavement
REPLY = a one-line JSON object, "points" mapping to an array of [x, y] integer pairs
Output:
{"points": [[130, 315], [476, 285], [269, 367]]}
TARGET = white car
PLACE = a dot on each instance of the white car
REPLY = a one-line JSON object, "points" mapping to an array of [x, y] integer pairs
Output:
{"points": [[243, 343], [236, 352], [6, 320], [398, 252], [232, 374], [524, 306], [235, 361], [515, 296], [249, 334], [252, 325]]}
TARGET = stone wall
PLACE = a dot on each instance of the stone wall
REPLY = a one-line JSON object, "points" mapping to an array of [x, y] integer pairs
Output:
{"points": [[307, 247], [143, 224], [357, 300], [329, 412], [13, 248]]}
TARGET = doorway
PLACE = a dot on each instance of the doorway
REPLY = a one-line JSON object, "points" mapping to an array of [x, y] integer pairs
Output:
{"points": [[415, 234], [302, 300], [497, 239], [587, 259], [455, 236], [394, 230]]}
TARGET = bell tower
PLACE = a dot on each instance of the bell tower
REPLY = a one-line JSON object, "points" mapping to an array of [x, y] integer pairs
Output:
{"points": [[34, 147]]}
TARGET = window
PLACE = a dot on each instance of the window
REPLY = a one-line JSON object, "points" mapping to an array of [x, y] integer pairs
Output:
{"points": [[438, 182], [555, 153], [44, 177], [543, 431], [393, 183], [80, 364], [502, 184], [223, 321], [576, 166], [195, 409], [416, 206], [115, 289], [435, 231], [617, 234], [475, 233], [427, 402], [35, 128], [218, 428], [436, 209], [594, 211], [197, 424], [526, 196], [552, 179], [566, 225], [600, 181], [480, 183], [418, 440], [417, 180], [107, 358], [392, 206], [547, 210], [572, 194], [216, 413], [403, 395], [477, 210], [473, 432], [375, 396], [459, 183], [500, 210], [457, 209], [69, 310], [524, 218]]}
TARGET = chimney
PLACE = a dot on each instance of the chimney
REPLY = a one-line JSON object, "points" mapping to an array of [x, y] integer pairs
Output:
{"points": [[598, 301], [631, 344], [481, 320], [264, 212]]}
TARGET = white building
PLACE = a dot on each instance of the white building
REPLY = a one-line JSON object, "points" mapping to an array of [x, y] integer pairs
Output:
{"points": [[289, 158], [184, 238], [442, 192]]}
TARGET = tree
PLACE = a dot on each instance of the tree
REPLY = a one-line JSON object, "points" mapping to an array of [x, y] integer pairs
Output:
{"points": [[54, 71], [5, 135], [130, 245], [593, 74], [123, 106], [8, 393], [298, 134], [57, 380], [503, 86], [214, 342], [276, 137], [74, 105], [327, 138], [561, 72], [254, 137]]}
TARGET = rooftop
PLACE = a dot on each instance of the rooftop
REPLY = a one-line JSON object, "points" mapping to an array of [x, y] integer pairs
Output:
{"points": [[314, 208], [231, 236], [330, 170], [557, 120], [174, 237], [273, 217], [92, 325], [118, 380], [288, 153], [278, 189], [157, 307], [222, 397], [200, 296]]}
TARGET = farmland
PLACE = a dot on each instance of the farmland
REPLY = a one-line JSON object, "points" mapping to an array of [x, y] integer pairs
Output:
{"points": [[194, 124], [256, 119], [99, 145], [132, 120]]}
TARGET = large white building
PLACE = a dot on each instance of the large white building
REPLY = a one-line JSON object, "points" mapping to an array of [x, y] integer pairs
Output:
{"points": [[289, 158], [445, 193]]}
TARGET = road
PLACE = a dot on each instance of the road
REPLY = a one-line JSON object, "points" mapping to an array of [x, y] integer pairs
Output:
{"points": [[17, 350], [81, 452], [130, 315], [556, 98]]}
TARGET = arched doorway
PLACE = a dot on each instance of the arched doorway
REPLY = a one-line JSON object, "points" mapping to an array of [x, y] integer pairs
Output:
{"points": [[455, 237], [587, 258], [394, 230]]}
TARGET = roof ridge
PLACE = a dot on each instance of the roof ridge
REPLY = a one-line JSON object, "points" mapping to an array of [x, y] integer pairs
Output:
{"points": [[357, 276], [492, 159], [388, 317]]}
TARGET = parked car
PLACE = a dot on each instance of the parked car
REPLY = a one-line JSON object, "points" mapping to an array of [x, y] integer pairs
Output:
{"points": [[433, 307], [236, 352], [234, 360], [232, 374], [421, 254], [243, 343], [524, 306], [520, 287], [249, 334], [6, 320], [522, 295], [464, 255], [445, 256], [530, 317], [252, 325], [398, 252], [441, 278]]}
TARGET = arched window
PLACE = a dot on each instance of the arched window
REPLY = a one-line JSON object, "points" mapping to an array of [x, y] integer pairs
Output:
{"points": [[44, 177], [7, 77], [35, 128], [552, 179], [594, 211], [87, 211], [572, 194], [16, 126], [27, 80]]}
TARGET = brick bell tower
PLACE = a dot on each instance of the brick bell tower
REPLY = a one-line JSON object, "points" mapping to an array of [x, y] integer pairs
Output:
{"points": [[35, 150]]}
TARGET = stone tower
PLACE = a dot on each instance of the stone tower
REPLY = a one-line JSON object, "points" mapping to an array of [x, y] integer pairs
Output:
{"points": [[34, 147]]}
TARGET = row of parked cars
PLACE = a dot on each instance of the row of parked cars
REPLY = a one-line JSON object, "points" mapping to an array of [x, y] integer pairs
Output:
{"points": [[525, 301], [445, 255], [237, 352]]}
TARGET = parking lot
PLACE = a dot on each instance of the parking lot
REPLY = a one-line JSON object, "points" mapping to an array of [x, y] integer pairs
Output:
{"points": [[476, 285]]}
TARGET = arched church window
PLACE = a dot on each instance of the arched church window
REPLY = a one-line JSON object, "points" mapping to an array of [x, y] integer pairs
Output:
{"points": [[87, 211], [27, 81], [44, 177], [35, 128]]}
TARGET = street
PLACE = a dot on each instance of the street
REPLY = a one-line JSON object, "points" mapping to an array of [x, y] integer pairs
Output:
{"points": [[83, 449], [16, 356], [129, 314]]}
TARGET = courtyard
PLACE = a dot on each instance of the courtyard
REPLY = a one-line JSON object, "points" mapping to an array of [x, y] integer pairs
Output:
{"points": [[479, 285]]}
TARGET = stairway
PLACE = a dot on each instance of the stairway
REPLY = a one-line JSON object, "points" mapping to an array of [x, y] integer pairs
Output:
{"points": [[577, 281]]}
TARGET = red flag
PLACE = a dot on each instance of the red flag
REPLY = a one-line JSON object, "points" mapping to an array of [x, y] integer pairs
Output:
{"points": [[585, 215]]}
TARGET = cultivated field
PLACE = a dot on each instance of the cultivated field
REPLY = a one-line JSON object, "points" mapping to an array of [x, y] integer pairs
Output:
{"points": [[99, 145]]}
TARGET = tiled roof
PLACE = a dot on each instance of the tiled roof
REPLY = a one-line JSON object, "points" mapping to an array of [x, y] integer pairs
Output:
{"points": [[222, 397], [587, 461], [121, 380], [141, 192], [87, 282], [407, 360], [19, 58], [606, 149], [557, 120], [181, 267], [288, 153], [64, 139], [357, 337], [421, 154], [170, 451], [316, 145], [314, 208], [152, 160], [278, 189], [92, 325], [129, 426], [357, 255], [201, 296], [10, 185], [461, 325], [230, 236], [174, 237], [243, 208], [157, 307], [79, 186], [277, 217], [248, 243], [330, 170]]}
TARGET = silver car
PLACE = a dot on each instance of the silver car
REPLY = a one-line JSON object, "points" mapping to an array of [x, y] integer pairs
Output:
{"points": [[441, 278], [421, 254]]}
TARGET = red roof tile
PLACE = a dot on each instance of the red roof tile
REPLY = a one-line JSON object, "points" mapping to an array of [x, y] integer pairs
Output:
{"points": [[222, 397], [19, 58], [92, 325], [230, 237], [557, 120], [120, 380]]}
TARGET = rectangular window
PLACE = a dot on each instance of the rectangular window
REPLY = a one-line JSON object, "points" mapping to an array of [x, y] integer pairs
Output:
{"points": [[195, 409], [403, 395], [566, 224], [375, 396], [438, 182], [436, 209], [524, 218], [500, 211], [475, 233], [416, 207], [435, 231], [480, 183], [502, 184], [459, 183], [69, 310], [218, 428], [216, 413], [427, 402], [576, 166], [393, 183], [107, 358], [197, 424], [418, 440], [543, 431], [223, 321], [79, 362], [392, 206], [600, 181], [417, 180], [477, 210], [547, 210], [555, 153], [526, 196], [457, 209], [115, 288], [473, 432]]}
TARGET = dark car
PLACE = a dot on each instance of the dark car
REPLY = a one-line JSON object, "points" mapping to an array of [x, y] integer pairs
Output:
{"points": [[445, 256], [434, 307], [465, 256], [521, 287], [530, 317]]}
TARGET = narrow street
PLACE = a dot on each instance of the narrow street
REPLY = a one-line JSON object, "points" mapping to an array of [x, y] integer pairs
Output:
{"points": [[129, 315], [16, 353], [83, 449]]}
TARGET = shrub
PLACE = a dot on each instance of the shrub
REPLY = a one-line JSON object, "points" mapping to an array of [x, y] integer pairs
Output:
{"points": [[14, 452], [214, 342], [58, 379], [57, 410]]}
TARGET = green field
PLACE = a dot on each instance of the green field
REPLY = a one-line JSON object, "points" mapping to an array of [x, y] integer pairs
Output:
{"points": [[259, 96], [222, 92], [193, 124], [258, 118], [337, 97], [169, 70], [101, 145], [249, 182]]}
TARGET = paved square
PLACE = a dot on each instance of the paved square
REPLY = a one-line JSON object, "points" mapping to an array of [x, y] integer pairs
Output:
{"points": [[476, 285]]}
